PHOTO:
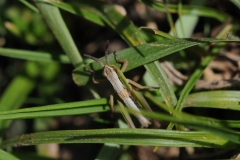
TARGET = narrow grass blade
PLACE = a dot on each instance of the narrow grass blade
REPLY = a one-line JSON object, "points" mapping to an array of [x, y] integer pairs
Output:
{"points": [[182, 115], [85, 11], [29, 5], [198, 123], [14, 96], [189, 9], [131, 34], [54, 20], [161, 78], [145, 137], [63, 109], [186, 23], [33, 56], [16, 93]]}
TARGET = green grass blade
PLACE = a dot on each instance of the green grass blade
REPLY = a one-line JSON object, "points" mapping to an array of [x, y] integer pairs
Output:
{"points": [[215, 122], [214, 99], [195, 122], [230, 123], [189, 9], [161, 78], [31, 156], [14, 96], [144, 54], [170, 19], [54, 20], [110, 16], [33, 56], [16, 93], [109, 152], [63, 109], [190, 84], [236, 2], [85, 11], [186, 24], [29, 5], [7, 156], [193, 79], [146, 137]]}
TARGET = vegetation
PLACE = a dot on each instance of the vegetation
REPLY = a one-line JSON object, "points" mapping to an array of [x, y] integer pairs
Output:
{"points": [[49, 107]]}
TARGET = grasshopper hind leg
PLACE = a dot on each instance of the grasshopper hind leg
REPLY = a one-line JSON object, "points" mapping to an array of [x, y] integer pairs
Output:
{"points": [[123, 62], [139, 86]]}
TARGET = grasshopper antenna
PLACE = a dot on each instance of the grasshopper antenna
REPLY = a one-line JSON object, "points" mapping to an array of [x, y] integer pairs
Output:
{"points": [[106, 52], [95, 59]]}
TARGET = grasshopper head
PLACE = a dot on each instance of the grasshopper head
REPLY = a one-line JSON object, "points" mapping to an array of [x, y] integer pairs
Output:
{"points": [[108, 71]]}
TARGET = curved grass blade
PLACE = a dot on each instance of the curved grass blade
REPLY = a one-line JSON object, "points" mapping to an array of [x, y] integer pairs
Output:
{"points": [[119, 23], [144, 54], [189, 9], [216, 122], [192, 81], [146, 137], [196, 122], [214, 99]]}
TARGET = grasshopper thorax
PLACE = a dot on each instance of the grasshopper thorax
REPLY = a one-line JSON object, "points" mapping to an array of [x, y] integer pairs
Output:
{"points": [[108, 71]]}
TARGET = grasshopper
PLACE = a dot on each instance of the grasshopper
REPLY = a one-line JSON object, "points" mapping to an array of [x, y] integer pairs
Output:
{"points": [[123, 87]]}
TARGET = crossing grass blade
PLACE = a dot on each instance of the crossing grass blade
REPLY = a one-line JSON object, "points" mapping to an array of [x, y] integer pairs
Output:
{"points": [[146, 137], [144, 54], [189, 9], [126, 29]]}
